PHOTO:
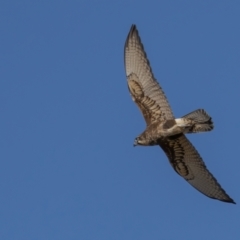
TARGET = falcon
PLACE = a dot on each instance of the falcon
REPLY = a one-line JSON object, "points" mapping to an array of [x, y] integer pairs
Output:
{"points": [[163, 128]]}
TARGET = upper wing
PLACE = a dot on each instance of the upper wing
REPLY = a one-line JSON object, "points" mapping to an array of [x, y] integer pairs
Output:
{"points": [[187, 162], [142, 85]]}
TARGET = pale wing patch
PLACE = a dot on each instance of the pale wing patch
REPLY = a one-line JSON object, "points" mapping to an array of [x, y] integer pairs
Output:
{"points": [[149, 108], [187, 162], [176, 154], [137, 65], [135, 88]]}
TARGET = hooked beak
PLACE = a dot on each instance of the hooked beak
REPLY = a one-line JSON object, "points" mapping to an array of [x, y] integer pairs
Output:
{"points": [[135, 143]]}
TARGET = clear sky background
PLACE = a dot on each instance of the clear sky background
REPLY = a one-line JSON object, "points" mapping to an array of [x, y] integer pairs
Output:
{"points": [[68, 167]]}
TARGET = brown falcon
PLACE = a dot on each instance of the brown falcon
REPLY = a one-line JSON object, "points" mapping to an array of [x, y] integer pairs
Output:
{"points": [[162, 128]]}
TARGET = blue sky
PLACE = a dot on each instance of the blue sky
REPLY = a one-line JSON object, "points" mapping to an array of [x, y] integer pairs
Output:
{"points": [[68, 166]]}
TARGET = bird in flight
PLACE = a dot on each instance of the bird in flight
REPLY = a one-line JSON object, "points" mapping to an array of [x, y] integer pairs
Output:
{"points": [[163, 128]]}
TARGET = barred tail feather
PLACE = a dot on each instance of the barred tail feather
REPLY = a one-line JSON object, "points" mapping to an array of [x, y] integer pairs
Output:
{"points": [[200, 121]]}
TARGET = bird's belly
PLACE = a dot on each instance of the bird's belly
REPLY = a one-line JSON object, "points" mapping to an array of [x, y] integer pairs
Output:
{"points": [[162, 134], [171, 131]]}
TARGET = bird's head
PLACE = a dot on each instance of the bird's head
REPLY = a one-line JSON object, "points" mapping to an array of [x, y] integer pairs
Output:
{"points": [[140, 140]]}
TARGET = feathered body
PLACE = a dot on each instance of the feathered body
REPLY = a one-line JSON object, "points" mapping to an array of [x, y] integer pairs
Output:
{"points": [[197, 121], [163, 128]]}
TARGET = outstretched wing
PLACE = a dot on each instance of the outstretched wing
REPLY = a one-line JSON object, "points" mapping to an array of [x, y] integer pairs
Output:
{"points": [[187, 162], [142, 85]]}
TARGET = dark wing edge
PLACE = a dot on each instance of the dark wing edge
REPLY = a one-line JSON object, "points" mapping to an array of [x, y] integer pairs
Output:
{"points": [[187, 162], [152, 101]]}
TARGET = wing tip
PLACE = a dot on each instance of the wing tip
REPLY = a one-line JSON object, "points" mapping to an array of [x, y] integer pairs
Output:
{"points": [[133, 30], [132, 40], [226, 199], [229, 200]]}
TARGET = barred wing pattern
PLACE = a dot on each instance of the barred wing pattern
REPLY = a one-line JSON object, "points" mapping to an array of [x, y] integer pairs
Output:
{"points": [[187, 162], [142, 85]]}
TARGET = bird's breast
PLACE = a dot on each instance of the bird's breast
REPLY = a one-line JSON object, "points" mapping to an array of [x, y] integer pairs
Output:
{"points": [[164, 129]]}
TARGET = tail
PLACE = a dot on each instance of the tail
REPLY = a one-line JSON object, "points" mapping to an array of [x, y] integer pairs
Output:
{"points": [[199, 121]]}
